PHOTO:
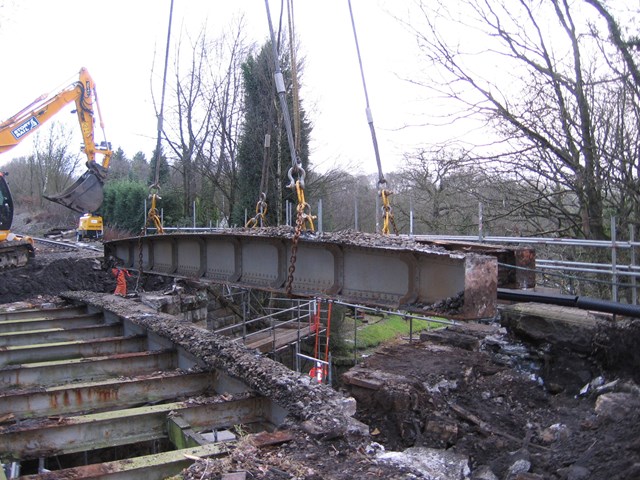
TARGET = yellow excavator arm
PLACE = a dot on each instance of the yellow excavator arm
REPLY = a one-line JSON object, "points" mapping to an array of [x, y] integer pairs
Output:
{"points": [[85, 195]]}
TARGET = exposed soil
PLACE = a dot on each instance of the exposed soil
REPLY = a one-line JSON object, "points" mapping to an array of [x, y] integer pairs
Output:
{"points": [[480, 401], [54, 270], [500, 416]]}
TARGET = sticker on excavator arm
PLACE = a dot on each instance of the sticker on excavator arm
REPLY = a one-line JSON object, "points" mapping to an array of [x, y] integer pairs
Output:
{"points": [[25, 127]]}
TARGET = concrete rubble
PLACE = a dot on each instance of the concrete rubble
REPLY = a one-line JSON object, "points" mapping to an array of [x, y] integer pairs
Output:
{"points": [[325, 412]]}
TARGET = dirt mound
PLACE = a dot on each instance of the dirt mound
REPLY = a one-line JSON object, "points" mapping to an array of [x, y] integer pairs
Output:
{"points": [[51, 273], [501, 416]]}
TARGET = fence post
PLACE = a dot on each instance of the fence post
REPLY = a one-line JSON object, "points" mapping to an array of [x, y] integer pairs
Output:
{"points": [[614, 259], [632, 264], [355, 213], [411, 217], [480, 226]]}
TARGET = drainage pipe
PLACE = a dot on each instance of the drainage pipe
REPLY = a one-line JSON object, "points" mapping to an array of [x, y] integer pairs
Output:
{"points": [[574, 301]]}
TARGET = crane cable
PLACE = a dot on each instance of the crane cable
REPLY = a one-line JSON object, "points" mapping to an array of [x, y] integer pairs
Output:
{"points": [[152, 215], [260, 217], [155, 187], [294, 78], [261, 205], [382, 182], [303, 210]]}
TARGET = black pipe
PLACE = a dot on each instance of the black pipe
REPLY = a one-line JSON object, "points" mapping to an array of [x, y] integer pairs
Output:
{"points": [[574, 301]]}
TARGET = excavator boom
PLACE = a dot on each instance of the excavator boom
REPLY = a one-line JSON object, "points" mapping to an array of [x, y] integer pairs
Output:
{"points": [[86, 194]]}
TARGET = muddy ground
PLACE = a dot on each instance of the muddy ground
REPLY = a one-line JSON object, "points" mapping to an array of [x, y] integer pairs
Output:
{"points": [[54, 270], [472, 401]]}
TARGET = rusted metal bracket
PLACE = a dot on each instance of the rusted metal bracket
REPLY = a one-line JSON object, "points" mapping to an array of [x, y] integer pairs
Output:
{"points": [[405, 276]]}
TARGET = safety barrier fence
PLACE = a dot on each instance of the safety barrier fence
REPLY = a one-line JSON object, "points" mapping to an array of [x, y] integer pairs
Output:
{"points": [[619, 272]]}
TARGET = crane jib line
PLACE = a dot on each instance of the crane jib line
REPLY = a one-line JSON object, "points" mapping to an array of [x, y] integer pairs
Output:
{"points": [[25, 127]]}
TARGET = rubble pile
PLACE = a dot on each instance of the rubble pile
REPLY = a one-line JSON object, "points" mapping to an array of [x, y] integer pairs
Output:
{"points": [[458, 392], [326, 413], [346, 237]]}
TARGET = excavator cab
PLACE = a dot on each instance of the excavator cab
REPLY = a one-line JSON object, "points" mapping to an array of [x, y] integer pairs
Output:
{"points": [[6, 205]]}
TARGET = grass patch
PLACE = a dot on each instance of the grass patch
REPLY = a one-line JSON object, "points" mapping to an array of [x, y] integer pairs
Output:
{"points": [[389, 328]]}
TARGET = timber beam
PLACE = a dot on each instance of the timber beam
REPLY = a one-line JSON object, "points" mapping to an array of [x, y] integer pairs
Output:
{"points": [[369, 270]]}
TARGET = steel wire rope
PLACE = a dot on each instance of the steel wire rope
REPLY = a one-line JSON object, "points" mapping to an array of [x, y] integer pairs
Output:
{"points": [[152, 215], [304, 216], [296, 165], [382, 182]]}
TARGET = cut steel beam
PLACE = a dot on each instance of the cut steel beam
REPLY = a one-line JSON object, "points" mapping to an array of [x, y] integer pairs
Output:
{"points": [[85, 369], [366, 270], [60, 335], [68, 350], [149, 467], [40, 323], [43, 314], [99, 395], [516, 265], [45, 437]]}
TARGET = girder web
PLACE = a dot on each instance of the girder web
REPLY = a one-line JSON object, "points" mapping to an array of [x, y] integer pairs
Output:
{"points": [[406, 275]]}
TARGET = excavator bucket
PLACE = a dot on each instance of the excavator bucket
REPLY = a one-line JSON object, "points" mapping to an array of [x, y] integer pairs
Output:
{"points": [[85, 195]]}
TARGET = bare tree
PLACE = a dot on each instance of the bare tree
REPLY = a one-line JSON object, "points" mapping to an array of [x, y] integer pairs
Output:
{"points": [[53, 165], [203, 116], [219, 164], [543, 98], [188, 123]]}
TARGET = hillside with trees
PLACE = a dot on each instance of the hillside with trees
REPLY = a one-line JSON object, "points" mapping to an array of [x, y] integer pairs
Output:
{"points": [[552, 150]]}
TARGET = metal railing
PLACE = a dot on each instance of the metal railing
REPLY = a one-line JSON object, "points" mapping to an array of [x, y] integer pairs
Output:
{"points": [[613, 271]]}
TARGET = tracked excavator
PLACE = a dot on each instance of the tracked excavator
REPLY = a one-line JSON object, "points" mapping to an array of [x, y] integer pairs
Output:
{"points": [[85, 195]]}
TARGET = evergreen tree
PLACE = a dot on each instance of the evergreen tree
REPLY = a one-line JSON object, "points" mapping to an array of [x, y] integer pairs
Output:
{"points": [[163, 173], [264, 116], [123, 205], [119, 166], [139, 167]]}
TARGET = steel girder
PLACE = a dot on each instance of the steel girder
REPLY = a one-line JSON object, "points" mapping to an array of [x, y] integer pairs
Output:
{"points": [[453, 284]]}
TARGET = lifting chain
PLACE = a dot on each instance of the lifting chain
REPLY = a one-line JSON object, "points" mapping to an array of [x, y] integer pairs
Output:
{"points": [[303, 218], [260, 219], [152, 217], [387, 214]]}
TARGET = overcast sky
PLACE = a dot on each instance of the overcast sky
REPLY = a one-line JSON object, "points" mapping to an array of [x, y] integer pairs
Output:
{"points": [[44, 44]]}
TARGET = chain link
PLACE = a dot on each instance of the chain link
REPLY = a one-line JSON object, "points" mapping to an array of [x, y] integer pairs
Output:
{"points": [[303, 218], [294, 249], [152, 216], [139, 276]]}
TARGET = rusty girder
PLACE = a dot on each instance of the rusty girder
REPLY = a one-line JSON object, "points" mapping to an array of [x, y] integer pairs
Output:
{"points": [[353, 267]]}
